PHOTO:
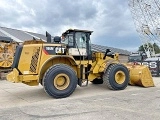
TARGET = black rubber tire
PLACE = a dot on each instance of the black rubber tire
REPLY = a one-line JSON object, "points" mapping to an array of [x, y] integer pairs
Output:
{"points": [[97, 81], [109, 77], [51, 73]]}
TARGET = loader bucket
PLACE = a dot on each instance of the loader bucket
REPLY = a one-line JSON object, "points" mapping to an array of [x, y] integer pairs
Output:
{"points": [[140, 75]]}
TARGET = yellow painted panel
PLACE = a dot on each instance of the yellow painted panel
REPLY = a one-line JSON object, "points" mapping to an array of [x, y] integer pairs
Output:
{"points": [[28, 63]]}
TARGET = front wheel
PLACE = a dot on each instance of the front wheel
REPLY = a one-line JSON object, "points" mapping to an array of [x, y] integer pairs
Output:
{"points": [[116, 77], [60, 81]]}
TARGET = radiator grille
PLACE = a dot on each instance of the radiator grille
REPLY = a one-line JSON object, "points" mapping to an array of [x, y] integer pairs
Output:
{"points": [[34, 61]]}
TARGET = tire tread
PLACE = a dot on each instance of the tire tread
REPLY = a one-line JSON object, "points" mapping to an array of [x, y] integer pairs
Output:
{"points": [[51, 69], [107, 74]]}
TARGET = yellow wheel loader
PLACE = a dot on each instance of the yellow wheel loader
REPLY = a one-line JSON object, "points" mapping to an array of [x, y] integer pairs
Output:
{"points": [[62, 63], [7, 50]]}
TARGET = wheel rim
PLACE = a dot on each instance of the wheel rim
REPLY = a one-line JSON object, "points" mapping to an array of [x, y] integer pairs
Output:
{"points": [[61, 81], [6, 60], [120, 77]]}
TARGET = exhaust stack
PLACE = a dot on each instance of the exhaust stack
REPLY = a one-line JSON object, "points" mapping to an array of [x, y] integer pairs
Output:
{"points": [[48, 37]]}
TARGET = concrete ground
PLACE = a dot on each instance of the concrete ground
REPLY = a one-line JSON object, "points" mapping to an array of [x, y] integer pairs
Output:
{"points": [[95, 102]]}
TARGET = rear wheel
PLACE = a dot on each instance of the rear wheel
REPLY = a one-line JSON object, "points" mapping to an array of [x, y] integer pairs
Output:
{"points": [[60, 81], [116, 77]]}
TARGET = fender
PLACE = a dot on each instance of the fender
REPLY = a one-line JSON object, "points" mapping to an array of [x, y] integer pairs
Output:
{"points": [[43, 68]]}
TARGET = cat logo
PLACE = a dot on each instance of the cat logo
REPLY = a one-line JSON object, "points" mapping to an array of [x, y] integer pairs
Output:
{"points": [[59, 50]]}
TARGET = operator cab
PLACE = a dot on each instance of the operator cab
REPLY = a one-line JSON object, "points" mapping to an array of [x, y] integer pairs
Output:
{"points": [[78, 43]]}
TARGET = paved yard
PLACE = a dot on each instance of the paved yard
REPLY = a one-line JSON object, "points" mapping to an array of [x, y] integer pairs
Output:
{"points": [[95, 102]]}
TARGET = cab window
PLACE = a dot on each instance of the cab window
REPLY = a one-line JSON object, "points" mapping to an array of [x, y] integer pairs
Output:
{"points": [[80, 39]]}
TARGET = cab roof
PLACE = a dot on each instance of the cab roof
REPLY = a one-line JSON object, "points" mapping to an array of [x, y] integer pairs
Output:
{"points": [[76, 30]]}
